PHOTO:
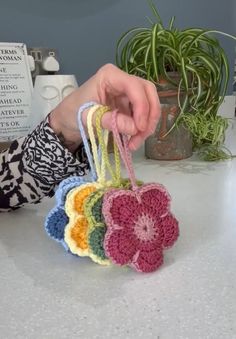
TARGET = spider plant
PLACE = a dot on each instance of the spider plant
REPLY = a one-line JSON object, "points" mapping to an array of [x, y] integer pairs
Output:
{"points": [[195, 54]]}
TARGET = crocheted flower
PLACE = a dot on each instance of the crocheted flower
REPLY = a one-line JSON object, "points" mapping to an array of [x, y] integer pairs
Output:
{"points": [[57, 219], [140, 226], [55, 225], [76, 229], [96, 227], [96, 223]]}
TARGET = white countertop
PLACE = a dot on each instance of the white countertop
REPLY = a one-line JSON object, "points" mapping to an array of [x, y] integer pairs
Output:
{"points": [[46, 293]]}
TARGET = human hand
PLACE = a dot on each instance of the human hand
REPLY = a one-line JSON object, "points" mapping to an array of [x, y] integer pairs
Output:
{"points": [[135, 99]]}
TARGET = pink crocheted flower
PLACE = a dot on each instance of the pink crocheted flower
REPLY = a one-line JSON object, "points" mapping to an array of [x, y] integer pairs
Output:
{"points": [[140, 226]]}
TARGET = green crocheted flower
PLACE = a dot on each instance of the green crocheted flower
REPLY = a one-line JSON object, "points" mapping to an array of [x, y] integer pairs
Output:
{"points": [[96, 238], [96, 227]]}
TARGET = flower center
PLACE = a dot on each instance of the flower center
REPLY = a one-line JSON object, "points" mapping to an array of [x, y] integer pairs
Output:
{"points": [[144, 228]]}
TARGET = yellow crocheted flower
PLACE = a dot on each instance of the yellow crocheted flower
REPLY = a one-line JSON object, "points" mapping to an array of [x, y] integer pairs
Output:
{"points": [[76, 229]]}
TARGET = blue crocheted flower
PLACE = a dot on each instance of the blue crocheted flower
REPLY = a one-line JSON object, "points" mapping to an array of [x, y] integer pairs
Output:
{"points": [[65, 186], [57, 219], [55, 225]]}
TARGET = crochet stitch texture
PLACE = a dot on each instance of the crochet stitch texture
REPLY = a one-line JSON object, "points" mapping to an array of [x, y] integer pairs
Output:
{"points": [[140, 226]]}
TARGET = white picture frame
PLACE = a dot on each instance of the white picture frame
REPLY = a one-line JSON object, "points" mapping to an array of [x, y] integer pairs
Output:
{"points": [[16, 89]]}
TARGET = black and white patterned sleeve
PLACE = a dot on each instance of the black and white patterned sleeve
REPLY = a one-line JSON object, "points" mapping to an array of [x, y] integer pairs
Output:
{"points": [[32, 167]]}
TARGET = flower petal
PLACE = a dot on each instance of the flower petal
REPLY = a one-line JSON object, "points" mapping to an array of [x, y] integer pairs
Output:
{"points": [[80, 197], [156, 197], [93, 208], [76, 236], [148, 261], [120, 246], [124, 209], [65, 186], [75, 198], [55, 223], [170, 229], [95, 241]]}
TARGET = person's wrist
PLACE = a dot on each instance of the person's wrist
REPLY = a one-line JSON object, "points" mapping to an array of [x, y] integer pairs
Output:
{"points": [[69, 139], [63, 119]]}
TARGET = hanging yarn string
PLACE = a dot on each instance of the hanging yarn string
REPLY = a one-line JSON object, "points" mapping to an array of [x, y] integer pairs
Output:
{"points": [[76, 230], [90, 216], [57, 219], [93, 204], [139, 222]]}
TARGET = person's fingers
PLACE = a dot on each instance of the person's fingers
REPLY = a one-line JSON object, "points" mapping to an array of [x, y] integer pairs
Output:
{"points": [[154, 107], [136, 141], [125, 123], [139, 104], [115, 82], [153, 118], [121, 103]]}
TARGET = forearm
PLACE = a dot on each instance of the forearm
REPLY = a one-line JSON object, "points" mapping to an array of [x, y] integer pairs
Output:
{"points": [[32, 167]]}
